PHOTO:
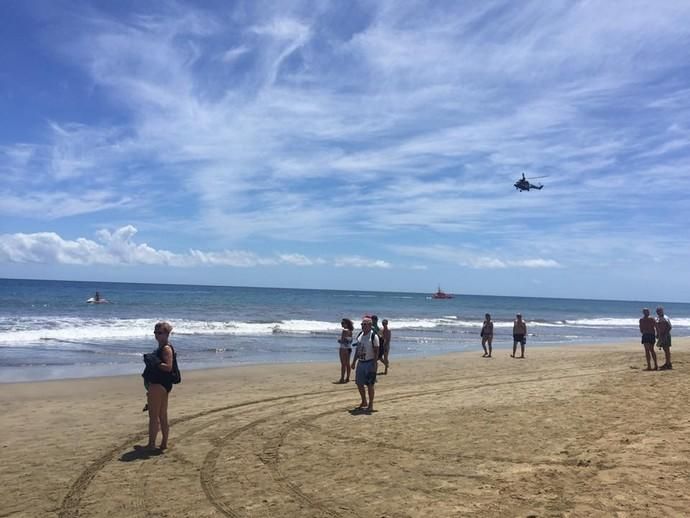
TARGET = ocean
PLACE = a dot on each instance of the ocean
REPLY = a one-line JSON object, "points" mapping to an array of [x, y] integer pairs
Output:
{"points": [[49, 331]]}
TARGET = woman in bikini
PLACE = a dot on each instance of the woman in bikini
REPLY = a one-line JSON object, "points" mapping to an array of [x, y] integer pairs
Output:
{"points": [[345, 349]]}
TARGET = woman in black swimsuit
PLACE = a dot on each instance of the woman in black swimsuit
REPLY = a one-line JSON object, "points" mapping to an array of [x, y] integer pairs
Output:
{"points": [[158, 374]]}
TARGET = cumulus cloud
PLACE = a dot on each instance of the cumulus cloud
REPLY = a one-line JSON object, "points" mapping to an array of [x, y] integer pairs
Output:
{"points": [[118, 247]]}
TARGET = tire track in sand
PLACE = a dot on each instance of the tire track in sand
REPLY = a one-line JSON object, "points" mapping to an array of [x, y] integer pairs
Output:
{"points": [[71, 502], [69, 508], [269, 455]]}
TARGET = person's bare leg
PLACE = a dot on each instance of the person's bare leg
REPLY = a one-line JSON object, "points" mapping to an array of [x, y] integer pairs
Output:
{"points": [[385, 360], [648, 357], [343, 366], [363, 395], [154, 401], [522, 350], [652, 353], [370, 388], [348, 368], [163, 419], [488, 342], [667, 356], [514, 349], [486, 353]]}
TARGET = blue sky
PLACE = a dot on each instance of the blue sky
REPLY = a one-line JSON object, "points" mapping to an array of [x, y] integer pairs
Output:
{"points": [[349, 145]]}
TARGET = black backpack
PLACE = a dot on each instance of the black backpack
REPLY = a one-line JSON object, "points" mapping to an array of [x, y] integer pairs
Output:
{"points": [[175, 374]]}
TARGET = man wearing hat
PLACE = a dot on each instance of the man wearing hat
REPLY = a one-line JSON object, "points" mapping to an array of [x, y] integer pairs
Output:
{"points": [[364, 364], [519, 335]]}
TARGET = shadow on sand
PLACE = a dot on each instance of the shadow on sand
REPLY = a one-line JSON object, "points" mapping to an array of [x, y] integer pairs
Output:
{"points": [[140, 453], [361, 411]]}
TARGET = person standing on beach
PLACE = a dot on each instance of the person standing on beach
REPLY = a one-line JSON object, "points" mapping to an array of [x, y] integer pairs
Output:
{"points": [[519, 335], [663, 336], [385, 345], [345, 349], [364, 364], [375, 326], [487, 335], [159, 375], [648, 328]]}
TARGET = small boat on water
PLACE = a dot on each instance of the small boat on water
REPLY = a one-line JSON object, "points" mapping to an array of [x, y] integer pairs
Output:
{"points": [[440, 294], [97, 299]]}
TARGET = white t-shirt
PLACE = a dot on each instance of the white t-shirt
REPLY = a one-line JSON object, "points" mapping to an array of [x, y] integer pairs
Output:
{"points": [[365, 349]]}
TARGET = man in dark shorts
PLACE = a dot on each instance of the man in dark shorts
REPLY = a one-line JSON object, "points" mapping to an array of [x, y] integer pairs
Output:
{"points": [[364, 364], [648, 330], [519, 335], [385, 345], [663, 336]]}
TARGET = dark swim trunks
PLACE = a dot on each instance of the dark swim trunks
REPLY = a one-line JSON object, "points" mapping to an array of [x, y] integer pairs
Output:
{"points": [[366, 372], [648, 338], [519, 339], [664, 340]]}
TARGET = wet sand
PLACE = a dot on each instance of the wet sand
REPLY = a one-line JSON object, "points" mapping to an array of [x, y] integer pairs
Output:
{"points": [[569, 431]]}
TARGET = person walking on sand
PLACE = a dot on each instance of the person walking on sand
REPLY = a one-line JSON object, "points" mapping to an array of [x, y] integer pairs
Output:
{"points": [[519, 335], [487, 335], [345, 349], [159, 373], [648, 328], [663, 336], [385, 345], [364, 364]]}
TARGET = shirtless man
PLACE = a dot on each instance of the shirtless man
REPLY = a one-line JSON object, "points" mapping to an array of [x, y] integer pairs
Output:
{"points": [[487, 335], [385, 345], [663, 335], [648, 328], [519, 335]]}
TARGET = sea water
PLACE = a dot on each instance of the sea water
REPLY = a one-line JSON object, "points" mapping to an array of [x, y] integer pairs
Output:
{"points": [[49, 331]]}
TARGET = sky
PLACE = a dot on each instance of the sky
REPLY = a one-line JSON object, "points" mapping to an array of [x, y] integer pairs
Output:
{"points": [[349, 145]]}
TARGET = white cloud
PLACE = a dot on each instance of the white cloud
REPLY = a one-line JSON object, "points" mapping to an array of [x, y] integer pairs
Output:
{"points": [[355, 261], [119, 248], [299, 260], [233, 54], [472, 258], [61, 204]]}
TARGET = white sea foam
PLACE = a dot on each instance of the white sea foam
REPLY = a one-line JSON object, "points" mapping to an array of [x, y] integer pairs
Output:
{"points": [[39, 330]]}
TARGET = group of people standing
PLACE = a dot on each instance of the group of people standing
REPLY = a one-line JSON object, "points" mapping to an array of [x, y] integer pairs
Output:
{"points": [[372, 344], [656, 331], [519, 335]]}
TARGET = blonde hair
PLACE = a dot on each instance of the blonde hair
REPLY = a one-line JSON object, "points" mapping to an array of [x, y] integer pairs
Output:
{"points": [[164, 326]]}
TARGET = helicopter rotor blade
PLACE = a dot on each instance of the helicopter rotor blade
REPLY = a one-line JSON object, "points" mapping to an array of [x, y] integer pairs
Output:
{"points": [[535, 177]]}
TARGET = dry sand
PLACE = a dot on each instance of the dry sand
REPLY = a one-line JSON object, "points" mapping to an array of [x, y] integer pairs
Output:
{"points": [[571, 431]]}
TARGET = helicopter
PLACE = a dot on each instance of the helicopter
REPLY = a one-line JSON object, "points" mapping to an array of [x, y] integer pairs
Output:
{"points": [[523, 183]]}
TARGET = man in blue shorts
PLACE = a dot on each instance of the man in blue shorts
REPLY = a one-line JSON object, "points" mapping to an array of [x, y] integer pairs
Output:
{"points": [[364, 364]]}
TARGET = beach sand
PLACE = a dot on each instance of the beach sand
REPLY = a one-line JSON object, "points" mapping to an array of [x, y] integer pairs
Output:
{"points": [[569, 431]]}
